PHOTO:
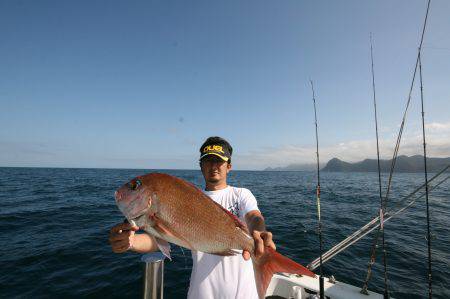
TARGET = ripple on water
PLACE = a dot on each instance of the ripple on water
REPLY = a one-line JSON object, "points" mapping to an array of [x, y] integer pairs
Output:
{"points": [[54, 227]]}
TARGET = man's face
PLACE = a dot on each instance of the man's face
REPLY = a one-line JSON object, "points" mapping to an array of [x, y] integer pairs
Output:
{"points": [[214, 169]]}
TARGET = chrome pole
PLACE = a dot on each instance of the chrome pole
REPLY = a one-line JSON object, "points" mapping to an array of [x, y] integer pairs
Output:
{"points": [[153, 275]]}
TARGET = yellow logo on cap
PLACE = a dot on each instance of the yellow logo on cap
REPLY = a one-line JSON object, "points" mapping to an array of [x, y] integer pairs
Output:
{"points": [[216, 148]]}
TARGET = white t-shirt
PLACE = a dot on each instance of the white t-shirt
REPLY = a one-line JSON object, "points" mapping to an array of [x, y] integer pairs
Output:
{"points": [[225, 277]]}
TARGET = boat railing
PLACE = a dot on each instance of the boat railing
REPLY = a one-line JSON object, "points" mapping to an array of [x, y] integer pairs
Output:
{"points": [[153, 278]]}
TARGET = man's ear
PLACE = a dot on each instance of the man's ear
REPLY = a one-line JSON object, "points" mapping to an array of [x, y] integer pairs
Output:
{"points": [[228, 167]]}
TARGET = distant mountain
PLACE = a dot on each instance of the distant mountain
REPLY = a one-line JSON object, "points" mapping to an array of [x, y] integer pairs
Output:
{"points": [[403, 164], [293, 167]]}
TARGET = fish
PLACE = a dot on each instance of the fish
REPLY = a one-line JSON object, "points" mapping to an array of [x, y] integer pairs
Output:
{"points": [[175, 211]]}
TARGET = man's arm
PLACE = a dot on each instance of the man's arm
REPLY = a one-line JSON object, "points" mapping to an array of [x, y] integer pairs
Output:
{"points": [[122, 238], [257, 228]]}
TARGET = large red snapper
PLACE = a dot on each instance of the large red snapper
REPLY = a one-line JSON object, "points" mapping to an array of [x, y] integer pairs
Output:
{"points": [[173, 210]]}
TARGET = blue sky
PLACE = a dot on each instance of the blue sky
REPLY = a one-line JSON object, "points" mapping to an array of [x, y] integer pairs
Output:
{"points": [[140, 84]]}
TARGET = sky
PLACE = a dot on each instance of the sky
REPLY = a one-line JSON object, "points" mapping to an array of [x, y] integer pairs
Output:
{"points": [[141, 84]]}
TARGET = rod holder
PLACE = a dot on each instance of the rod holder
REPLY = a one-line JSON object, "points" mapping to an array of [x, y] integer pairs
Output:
{"points": [[153, 280]]}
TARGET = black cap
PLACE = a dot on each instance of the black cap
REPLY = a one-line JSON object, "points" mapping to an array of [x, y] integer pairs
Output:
{"points": [[216, 146]]}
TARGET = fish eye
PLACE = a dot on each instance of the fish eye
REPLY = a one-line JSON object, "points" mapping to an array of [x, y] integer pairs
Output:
{"points": [[133, 185]]}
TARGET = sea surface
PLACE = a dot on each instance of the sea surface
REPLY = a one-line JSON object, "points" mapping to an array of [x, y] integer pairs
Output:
{"points": [[54, 231]]}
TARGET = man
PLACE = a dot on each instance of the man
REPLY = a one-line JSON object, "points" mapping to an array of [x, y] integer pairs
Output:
{"points": [[213, 276]]}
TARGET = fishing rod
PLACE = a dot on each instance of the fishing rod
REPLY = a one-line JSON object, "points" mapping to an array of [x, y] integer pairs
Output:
{"points": [[395, 154], [321, 283], [430, 288], [382, 210], [374, 223], [365, 230]]}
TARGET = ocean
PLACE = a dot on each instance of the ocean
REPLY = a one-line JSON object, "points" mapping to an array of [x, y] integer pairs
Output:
{"points": [[55, 222]]}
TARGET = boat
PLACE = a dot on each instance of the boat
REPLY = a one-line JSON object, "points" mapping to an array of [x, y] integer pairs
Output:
{"points": [[294, 286]]}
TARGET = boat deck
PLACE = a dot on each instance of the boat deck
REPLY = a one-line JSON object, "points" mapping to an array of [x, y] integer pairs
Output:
{"points": [[305, 287]]}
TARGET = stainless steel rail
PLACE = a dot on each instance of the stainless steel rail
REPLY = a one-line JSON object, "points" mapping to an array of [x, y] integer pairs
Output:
{"points": [[153, 280]]}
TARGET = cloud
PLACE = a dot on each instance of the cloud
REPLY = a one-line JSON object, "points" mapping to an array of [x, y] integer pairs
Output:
{"points": [[438, 145], [438, 127], [50, 154]]}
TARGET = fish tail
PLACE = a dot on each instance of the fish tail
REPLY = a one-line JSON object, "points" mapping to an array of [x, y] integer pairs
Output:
{"points": [[272, 262]]}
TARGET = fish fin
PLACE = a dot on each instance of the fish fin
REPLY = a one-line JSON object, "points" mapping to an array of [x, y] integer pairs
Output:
{"points": [[164, 247], [236, 220], [272, 262], [229, 252], [164, 231], [161, 228]]}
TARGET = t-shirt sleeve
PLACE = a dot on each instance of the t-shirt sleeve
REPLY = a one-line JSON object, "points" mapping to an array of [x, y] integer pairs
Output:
{"points": [[248, 202]]}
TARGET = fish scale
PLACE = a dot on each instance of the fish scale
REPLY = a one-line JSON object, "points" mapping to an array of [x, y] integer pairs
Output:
{"points": [[182, 215]]}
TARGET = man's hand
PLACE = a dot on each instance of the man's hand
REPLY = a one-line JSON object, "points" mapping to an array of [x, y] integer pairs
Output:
{"points": [[121, 237], [262, 240]]}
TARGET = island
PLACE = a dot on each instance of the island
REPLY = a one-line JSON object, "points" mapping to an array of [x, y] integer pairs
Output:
{"points": [[403, 164]]}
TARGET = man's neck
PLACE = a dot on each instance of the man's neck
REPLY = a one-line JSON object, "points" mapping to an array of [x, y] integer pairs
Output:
{"points": [[215, 187]]}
